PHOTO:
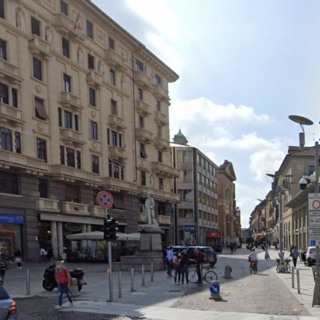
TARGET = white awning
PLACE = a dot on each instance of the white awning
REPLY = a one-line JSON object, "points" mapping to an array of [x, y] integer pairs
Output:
{"points": [[98, 235]]}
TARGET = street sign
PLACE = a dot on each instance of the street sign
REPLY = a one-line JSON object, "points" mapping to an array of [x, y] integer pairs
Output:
{"points": [[314, 219], [314, 234], [314, 201], [105, 199], [314, 242], [214, 288]]}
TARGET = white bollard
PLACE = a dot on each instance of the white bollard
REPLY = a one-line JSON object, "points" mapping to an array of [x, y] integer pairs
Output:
{"points": [[74, 288], [227, 272]]}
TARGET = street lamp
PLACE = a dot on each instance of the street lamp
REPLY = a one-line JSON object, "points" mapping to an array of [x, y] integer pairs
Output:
{"points": [[265, 221]]}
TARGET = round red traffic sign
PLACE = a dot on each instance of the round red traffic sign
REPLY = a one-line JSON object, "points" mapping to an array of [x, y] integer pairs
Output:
{"points": [[105, 199], [316, 204]]}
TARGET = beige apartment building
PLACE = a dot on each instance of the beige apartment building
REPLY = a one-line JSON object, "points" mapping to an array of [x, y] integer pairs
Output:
{"points": [[84, 107]]}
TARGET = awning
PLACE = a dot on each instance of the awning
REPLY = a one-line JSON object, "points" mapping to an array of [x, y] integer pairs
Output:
{"points": [[98, 235], [40, 109]]}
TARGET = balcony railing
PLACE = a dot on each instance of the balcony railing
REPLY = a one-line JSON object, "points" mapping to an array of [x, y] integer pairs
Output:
{"points": [[97, 212], [142, 108], [65, 26], [160, 92], [163, 169], [142, 80], [47, 205], [11, 115], [117, 153], [71, 136], [164, 220], [40, 47], [116, 123], [144, 135], [78, 209], [119, 185], [161, 119], [94, 79], [162, 144], [114, 60], [9, 72], [69, 100], [159, 194]]}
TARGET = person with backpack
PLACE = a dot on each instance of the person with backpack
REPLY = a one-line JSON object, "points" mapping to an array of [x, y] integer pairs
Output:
{"points": [[176, 266], [199, 260], [64, 281], [184, 268]]}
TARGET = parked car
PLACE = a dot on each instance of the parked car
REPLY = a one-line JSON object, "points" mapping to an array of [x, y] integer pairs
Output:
{"points": [[210, 255], [8, 307], [310, 256], [302, 254], [177, 249]]}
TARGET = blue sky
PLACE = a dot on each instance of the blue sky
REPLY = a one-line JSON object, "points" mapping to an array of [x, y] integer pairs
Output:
{"points": [[244, 67]]}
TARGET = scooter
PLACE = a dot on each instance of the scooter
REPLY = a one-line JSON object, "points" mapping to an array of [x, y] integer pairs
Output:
{"points": [[49, 282], [283, 265]]}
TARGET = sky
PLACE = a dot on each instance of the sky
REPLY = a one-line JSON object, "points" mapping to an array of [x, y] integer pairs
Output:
{"points": [[244, 67]]}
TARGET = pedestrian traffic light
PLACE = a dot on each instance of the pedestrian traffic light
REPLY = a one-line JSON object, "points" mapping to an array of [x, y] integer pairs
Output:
{"points": [[113, 229], [107, 228]]}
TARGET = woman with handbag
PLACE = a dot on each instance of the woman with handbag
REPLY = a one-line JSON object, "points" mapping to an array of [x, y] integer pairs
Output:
{"points": [[64, 281], [18, 258]]}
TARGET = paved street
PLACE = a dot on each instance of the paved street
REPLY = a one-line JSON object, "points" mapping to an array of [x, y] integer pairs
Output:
{"points": [[267, 293]]}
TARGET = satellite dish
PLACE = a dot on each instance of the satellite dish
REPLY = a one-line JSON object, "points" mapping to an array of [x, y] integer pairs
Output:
{"points": [[301, 120]]}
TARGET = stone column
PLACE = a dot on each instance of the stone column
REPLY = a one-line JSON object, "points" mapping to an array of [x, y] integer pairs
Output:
{"points": [[54, 238], [84, 243], [60, 239]]}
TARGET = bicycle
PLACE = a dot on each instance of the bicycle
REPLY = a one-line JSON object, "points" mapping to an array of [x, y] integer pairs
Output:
{"points": [[254, 268], [207, 275]]}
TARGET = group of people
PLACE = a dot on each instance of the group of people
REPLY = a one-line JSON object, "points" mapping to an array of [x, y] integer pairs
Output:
{"points": [[179, 263]]}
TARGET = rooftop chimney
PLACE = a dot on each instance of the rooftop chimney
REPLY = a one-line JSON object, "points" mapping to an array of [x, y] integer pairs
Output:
{"points": [[301, 139]]}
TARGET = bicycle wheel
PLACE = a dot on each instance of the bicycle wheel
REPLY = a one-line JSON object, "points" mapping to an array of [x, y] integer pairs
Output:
{"points": [[210, 276], [193, 276]]}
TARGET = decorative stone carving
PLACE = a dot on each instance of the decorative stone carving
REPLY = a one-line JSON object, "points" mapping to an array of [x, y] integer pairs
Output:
{"points": [[94, 146], [49, 36], [101, 37], [40, 127], [152, 181], [100, 67], [80, 57], [93, 114], [20, 21], [38, 88], [149, 211], [123, 83]]}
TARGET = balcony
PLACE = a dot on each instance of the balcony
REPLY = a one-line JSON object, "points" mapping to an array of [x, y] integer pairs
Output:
{"points": [[47, 205], [161, 119], [142, 217], [10, 115], [117, 185], [114, 60], [116, 123], [97, 212], [142, 108], [65, 26], [40, 47], [78, 209], [142, 80], [94, 79], [72, 175], [164, 220], [144, 136], [70, 101], [117, 154], [160, 93], [161, 144], [9, 72], [70, 136], [164, 170], [159, 195]]}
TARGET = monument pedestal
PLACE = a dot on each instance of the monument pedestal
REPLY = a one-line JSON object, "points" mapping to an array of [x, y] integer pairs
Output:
{"points": [[150, 250]]}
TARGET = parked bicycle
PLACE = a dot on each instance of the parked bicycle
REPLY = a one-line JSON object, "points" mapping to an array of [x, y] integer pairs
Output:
{"points": [[207, 275]]}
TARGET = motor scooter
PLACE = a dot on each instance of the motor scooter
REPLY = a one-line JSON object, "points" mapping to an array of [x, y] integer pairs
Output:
{"points": [[49, 282], [283, 264]]}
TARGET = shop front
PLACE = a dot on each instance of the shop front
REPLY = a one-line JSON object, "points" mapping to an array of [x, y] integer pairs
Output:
{"points": [[11, 233], [214, 239]]}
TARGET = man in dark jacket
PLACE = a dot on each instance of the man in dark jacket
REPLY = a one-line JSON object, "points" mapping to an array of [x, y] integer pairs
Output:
{"points": [[199, 261]]}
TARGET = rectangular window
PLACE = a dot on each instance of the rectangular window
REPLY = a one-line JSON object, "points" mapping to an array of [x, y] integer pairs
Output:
{"points": [[43, 188], [64, 7], [111, 43], [60, 117], [68, 120], [159, 156], [8, 183], [72, 193], [89, 29], [143, 178], [4, 94], [42, 149], [3, 50], [2, 9], [140, 94], [160, 183], [37, 69], [41, 112], [113, 107], [78, 159], [198, 159], [112, 77], [6, 139], [70, 158], [14, 93], [116, 170], [90, 61], [158, 105], [95, 164], [17, 137], [65, 48], [94, 130], [141, 122], [92, 94], [66, 83], [114, 138], [157, 79], [35, 27], [108, 136], [139, 65], [143, 153], [76, 122], [62, 155], [120, 140], [159, 132]]}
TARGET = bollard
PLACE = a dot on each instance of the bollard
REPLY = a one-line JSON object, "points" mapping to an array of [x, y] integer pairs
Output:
{"points": [[74, 287], [292, 274], [28, 282], [132, 279], [151, 271], [298, 280], [119, 285], [215, 290], [142, 275], [227, 272]]}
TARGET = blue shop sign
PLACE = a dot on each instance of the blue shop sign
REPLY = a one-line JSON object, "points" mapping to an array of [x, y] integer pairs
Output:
{"points": [[191, 229], [11, 218]]}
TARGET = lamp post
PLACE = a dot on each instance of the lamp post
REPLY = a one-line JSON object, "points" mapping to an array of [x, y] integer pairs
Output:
{"points": [[265, 221]]}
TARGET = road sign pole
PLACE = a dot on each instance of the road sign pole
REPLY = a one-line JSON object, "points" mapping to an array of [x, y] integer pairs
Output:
{"points": [[317, 190], [110, 264]]}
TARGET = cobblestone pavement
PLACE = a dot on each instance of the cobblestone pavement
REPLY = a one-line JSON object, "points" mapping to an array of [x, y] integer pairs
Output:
{"points": [[262, 293]]}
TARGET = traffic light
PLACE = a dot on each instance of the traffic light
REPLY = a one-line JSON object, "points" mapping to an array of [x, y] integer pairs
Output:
{"points": [[113, 229], [107, 228]]}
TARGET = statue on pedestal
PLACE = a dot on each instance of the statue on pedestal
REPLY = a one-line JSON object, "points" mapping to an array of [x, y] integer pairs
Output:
{"points": [[21, 24], [149, 211]]}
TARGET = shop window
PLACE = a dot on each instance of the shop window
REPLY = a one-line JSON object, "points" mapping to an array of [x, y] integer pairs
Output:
{"points": [[2, 9], [95, 164], [8, 183], [6, 139], [111, 43], [42, 149], [90, 62], [4, 94], [41, 112], [64, 7], [43, 188], [143, 178], [72, 193], [89, 29], [3, 50], [35, 26], [65, 48]]}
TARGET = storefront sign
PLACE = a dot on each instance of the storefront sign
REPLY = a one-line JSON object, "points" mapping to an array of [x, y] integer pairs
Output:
{"points": [[213, 234], [11, 218], [73, 226], [190, 235], [191, 229]]}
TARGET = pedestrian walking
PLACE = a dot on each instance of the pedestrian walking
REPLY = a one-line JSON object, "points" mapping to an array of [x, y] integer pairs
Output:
{"points": [[295, 255], [64, 282], [176, 265], [18, 258], [184, 268], [170, 257], [231, 247]]}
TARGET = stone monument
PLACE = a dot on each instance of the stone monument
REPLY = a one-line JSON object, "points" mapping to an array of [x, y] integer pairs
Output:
{"points": [[150, 242]]}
